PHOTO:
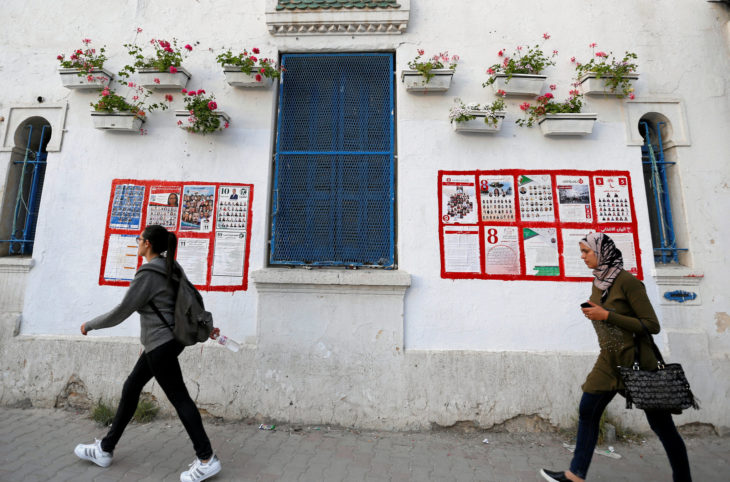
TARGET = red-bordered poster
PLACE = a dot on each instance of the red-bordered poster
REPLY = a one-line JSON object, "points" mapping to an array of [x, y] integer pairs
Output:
{"points": [[517, 224], [212, 222]]}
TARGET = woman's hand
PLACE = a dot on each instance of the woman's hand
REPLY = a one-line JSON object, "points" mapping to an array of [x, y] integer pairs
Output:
{"points": [[83, 329], [595, 312], [215, 333]]}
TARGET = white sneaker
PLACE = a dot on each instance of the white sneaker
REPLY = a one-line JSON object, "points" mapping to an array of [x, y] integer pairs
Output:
{"points": [[201, 471], [94, 453]]}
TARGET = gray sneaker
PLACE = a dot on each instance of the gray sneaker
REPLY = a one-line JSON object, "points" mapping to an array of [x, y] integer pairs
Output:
{"points": [[94, 453]]}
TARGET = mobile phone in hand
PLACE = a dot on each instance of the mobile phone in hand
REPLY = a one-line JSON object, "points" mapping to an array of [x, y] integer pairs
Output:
{"points": [[585, 305]]}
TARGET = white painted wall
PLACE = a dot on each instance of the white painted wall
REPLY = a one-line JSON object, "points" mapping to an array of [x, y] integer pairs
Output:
{"points": [[683, 55]]}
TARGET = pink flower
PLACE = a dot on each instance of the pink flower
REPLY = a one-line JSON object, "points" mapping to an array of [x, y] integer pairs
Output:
{"points": [[601, 54], [506, 61], [525, 105], [179, 122], [490, 71], [89, 78], [60, 57], [130, 84], [253, 58], [500, 53], [548, 95], [263, 70], [173, 69], [105, 92], [79, 51], [87, 41], [184, 91], [168, 97], [553, 86], [258, 77], [593, 45], [136, 97], [168, 49], [73, 57], [572, 59], [555, 52], [455, 58], [519, 48], [546, 36], [632, 96], [155, 80], [256, 50], [212, 105], [139, 30], [575, 93], [188, 48], [225, 126], [501, 92], [201, 92], [421, 51], [191, 93]]}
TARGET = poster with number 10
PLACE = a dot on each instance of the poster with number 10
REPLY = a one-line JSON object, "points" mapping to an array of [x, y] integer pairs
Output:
{"points": [[517, 224]]}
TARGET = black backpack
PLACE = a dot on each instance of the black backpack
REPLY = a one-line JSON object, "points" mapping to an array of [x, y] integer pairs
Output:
{"points": [[192, 323]]}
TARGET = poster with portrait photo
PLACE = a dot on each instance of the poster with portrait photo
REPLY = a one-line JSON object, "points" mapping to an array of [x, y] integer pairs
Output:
{"points": [[613, 204], [497, 197], [126, 211], [197, 209], [458, 200], [163, 206], [536, 198], [574, 199], [232, 212]]}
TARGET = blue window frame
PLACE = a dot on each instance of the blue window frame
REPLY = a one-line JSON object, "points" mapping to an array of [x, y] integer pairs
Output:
{"points": [[657, 194], [333, 197], [30, 173]]}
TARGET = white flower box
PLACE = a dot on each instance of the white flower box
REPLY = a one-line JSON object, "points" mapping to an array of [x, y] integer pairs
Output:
{"points": [[578, 124], [415, 82], [182, 118], [236, 78], [478, 124], [519, 84], [71, 79], [592, 85], [178, 80], [118, 121]]}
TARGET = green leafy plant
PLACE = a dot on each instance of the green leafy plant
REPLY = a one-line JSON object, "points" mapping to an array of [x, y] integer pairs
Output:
{"points": [[250, 64], [525, 60], [102, 413], [85, 59], [202, 108], [613, 70], [146, 410], [465, 112], [546, 105], [438, 61], [135, 101], [167, 56]]}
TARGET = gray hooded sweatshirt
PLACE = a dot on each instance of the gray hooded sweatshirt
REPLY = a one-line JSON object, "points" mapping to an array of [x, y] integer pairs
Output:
{"points": [[148, 284]]}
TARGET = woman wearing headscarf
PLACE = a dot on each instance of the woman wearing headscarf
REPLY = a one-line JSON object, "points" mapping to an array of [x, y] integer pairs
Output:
{"points": [[617, 307]]}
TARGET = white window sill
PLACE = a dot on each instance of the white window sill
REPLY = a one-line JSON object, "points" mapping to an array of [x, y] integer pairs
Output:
{"points": [[15, 264], [677, 276], [297, 279]]}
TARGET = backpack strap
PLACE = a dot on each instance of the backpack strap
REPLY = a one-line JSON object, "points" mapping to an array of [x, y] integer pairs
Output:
{"points": [[157, 311]]}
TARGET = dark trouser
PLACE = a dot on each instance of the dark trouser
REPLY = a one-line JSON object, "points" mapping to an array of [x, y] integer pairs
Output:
{"points": [[591, 408], [163, 365]]}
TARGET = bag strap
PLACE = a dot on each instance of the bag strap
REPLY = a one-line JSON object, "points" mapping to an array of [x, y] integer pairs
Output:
{"points": [[655, 349], [157, 311]]}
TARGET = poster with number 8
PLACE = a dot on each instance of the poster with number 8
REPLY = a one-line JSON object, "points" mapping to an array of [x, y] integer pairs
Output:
{"points": [[501, 250]]}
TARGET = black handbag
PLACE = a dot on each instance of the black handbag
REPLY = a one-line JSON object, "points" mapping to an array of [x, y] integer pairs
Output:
{"points": [[665, 388]]}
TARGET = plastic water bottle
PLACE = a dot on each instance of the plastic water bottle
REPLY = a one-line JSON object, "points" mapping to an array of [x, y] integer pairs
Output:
{"points": [[229, 343]]}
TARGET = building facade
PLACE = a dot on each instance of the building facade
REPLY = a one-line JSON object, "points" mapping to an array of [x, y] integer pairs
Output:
{"points": [[380, 269]]}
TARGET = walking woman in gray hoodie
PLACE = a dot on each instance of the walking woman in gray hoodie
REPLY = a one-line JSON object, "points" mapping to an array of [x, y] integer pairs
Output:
{"points": [[159, 358]]}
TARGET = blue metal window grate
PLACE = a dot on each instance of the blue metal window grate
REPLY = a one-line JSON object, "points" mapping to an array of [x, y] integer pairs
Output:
{"points": [[333, 202], [32, 170], [657, 193]]}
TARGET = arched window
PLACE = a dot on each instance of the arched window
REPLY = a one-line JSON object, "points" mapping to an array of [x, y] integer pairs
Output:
{"points": [[660, 181], [24, 186]]}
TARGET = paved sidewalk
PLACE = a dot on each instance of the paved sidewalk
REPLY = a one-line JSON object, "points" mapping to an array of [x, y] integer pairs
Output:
{"points": [[37, 445]]}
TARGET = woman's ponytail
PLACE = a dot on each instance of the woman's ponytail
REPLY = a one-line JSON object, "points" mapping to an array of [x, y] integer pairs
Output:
{"points": [[163, 242]]}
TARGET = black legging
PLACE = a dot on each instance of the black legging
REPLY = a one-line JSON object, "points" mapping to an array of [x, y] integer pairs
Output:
{"points": [[590, 410], [163, 365]]}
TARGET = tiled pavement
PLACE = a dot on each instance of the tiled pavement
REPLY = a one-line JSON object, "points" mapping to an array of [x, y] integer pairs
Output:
{"points": [[37, 445]]}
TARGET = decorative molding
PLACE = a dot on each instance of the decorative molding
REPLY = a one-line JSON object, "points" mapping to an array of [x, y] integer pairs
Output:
{"points": [[331, 280], [679, 276], [55, 114], [671, 108], [368, 21], [13, 264]]}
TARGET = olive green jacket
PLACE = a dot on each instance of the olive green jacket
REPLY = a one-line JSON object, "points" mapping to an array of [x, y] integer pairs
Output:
{"points": [[627, 302]]}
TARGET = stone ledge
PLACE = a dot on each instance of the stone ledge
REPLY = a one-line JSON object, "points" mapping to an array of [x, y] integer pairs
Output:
{"points": [[677, 275], [13, 264], [297, 279]]}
